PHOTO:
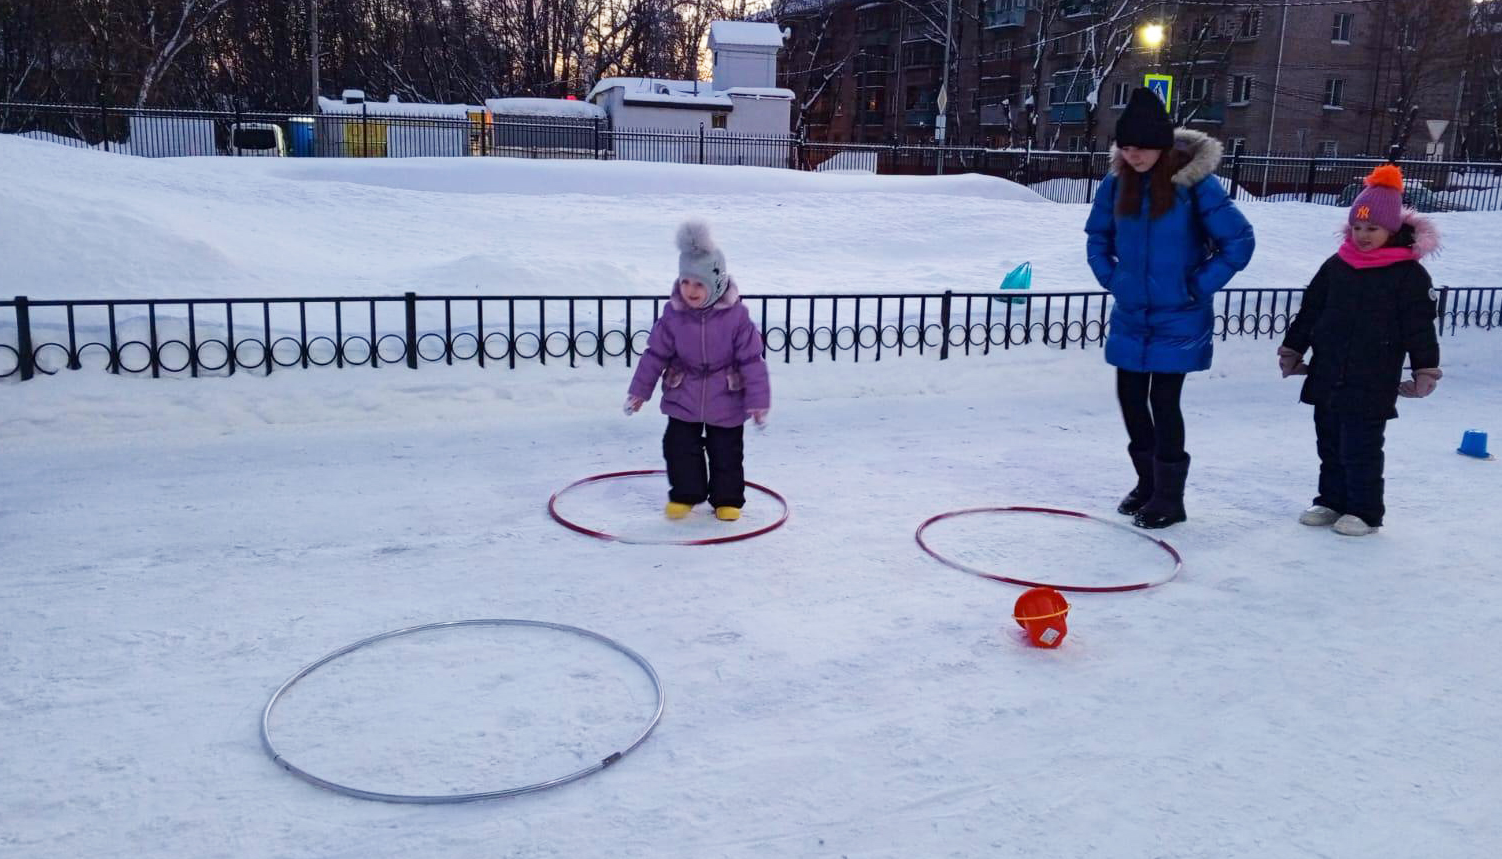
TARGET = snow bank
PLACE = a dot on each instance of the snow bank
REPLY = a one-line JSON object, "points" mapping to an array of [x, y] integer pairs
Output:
{"points": [[82, 224]]}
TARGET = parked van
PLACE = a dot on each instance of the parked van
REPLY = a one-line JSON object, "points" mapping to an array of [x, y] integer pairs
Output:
{"points": [[262, 139]]}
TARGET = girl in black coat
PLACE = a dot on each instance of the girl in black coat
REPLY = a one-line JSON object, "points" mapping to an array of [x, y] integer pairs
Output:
{"points": [[1369, 307]]}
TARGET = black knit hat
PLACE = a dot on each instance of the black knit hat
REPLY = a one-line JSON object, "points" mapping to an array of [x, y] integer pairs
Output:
{"points": [[1145, 123]]}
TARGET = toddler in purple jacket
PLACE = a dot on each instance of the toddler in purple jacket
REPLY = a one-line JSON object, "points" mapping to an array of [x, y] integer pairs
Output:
{"points": [[707, 352]]}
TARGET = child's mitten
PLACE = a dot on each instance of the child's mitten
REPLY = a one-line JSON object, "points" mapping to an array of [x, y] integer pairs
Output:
{"points": [[632, 406], [1291, 362], [1422, 384]]}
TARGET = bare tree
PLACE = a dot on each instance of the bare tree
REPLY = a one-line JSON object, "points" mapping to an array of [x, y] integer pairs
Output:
{"points": [[1208, 55], [815, 71], [1483, 132], [1422, 35], [164, 29], [1048, 13], [1106, 43]]}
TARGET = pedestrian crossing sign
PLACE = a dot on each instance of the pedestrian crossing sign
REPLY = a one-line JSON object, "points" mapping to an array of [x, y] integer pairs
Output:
{"points": [[1162, 87]]}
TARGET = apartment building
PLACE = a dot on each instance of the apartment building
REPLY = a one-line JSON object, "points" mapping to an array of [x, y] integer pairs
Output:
{"points": [[1331, 78]]}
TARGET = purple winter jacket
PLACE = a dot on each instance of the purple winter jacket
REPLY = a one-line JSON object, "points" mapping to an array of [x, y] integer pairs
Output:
{"points": [[709, 361]]}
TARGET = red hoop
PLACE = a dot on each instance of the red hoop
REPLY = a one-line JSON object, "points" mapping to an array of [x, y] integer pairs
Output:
{"points": [[1178, 560], [705, 541]]}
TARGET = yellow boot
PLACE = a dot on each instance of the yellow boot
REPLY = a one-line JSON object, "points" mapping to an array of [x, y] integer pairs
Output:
{"points": [[727, 514], [677, 509]]}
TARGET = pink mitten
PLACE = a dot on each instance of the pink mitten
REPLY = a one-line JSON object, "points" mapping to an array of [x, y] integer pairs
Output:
{"points": [[1422, 384], [632, 406], [760, 416], [1291, 363]]}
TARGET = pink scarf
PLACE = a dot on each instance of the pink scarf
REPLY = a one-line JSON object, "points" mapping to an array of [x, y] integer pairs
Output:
{"points": [[1380, 258]]}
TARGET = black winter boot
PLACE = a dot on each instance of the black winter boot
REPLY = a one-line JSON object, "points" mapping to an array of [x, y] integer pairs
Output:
{"points": [[1142, 460], [1167, 504]]}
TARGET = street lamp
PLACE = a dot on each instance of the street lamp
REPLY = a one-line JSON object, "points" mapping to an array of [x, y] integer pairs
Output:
{"points": [[313, 51], [941, 119], [1152, 36]]}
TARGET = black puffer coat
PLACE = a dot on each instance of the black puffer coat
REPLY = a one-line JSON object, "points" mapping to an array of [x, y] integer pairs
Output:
{"points": [[1362, 323]]}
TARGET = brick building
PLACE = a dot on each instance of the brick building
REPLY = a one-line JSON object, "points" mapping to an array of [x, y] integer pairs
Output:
{"points": [[1337, 78]]}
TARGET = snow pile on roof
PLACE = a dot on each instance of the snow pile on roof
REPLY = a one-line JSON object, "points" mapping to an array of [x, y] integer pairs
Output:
{"points": [[553, 107], [759, 92], [396, 108], [650, 86], [744, 33], [639, 90]]}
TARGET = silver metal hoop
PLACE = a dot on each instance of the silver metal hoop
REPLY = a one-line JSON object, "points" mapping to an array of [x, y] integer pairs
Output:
{"points": [[359, 793]]}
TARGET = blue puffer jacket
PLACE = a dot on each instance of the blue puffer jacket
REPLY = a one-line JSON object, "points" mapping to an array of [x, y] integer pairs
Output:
{"points": [[1162, 272]]}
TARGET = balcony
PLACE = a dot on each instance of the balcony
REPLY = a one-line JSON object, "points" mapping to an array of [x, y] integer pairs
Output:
{"points": [[874, 38], [1213, 112], [872, 64], [993, 18], [996, 114], [921, 117], [920, 54], [1067, 113], [871, 117]]}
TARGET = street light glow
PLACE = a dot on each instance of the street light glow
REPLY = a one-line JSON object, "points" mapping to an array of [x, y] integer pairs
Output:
{"points": [[1152, 35]]}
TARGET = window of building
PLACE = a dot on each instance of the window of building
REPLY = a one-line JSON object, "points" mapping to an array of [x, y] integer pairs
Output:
{"points": [[1238, 145], [1123, 95], [1069, 88], [1341, 31], [1408, 35], [1199, 89], [1251, 24], [1335, 92], [1241, 89], [718, 120], [1329, 149]]}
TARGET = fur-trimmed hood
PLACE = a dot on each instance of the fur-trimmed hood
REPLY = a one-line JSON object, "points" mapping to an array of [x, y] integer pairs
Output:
{"points": [[1199, 152], [731, 298], [1417, 228]]}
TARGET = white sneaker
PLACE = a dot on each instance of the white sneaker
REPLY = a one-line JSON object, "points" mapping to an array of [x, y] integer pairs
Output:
{"points": [[1352, 526], [1319, 515]]}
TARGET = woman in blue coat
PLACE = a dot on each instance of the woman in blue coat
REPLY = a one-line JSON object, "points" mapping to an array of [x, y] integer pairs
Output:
{"points": [[1163, 237]]}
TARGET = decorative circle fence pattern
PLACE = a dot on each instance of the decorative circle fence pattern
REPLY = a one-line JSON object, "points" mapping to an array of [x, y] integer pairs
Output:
{"points": [[213, 337]]}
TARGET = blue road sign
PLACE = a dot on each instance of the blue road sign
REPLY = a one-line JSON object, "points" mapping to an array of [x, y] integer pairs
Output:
{"points": [[1161, 86]]}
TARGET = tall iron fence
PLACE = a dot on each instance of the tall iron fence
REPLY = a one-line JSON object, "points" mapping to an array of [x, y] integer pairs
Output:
{"points": [[223, 336], [368, 132]]}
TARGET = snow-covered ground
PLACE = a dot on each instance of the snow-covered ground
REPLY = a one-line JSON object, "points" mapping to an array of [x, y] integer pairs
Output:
{"points": [[253, 227], [173, 550]]}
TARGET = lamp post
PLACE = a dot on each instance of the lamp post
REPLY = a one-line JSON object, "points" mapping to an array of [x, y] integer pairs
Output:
{"points": [[313, 51], [1152, 36], [941, 120]]}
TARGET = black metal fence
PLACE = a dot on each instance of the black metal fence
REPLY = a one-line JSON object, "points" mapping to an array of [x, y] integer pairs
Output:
{"points": [[218, 337], [366, 131]]}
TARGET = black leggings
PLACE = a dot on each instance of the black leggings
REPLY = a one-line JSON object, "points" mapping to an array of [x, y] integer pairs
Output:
{"points": [[1150, 408]]}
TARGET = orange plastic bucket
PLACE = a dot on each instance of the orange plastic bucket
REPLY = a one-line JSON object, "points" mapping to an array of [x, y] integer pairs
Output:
{"points": [[1041, 612]]}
